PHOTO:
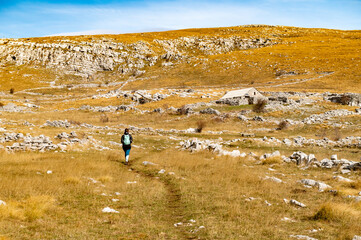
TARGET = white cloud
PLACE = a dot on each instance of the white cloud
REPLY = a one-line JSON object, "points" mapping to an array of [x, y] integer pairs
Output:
{"points": [[89, 32]]}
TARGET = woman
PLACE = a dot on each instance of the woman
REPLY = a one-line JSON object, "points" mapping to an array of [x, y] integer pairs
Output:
{"points": [[126, 142]]}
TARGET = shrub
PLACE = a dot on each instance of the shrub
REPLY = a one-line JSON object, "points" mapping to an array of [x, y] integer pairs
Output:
{"points": [[183, 110], [104, 118], [345, 99], [12, 90], [1, 104], [282, 125], [337, 135], [200, 125], [260, 106]]}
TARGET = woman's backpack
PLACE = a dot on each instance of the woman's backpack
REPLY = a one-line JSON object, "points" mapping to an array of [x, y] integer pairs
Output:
{"points": [[126, 139]]}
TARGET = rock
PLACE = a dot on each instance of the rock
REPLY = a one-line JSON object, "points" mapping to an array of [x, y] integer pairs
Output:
{"points": [[131, 182], [270, 155], [258, 118], [274, 179], [342, 179], [320, 185], [210, 111], [109, 210], [2, 203], [334, 157], [146, 163], [287, 142], [158, 110], [162, 171], [354, 167], [242, 118], [297, 203], [303, 237], [286, 219], [302, 158], [345, 171], [356, 237], [249, 135]]}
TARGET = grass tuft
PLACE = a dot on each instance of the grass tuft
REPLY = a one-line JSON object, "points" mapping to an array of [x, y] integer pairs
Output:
{"points": [[72, 180], [272, 160], [336, 212]]}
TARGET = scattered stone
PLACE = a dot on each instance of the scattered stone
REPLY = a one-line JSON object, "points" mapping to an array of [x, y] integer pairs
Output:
{"points": [[210, 111], [297, 203], [274, 179], [178, 224], [342, 179], [131, 182], [320, 185], [109, 210], [303, 237], [268, 204], [146, 163], [286, 219]]}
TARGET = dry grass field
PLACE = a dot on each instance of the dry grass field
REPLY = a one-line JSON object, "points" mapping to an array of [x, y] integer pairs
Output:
{"points": [[168, 191]]}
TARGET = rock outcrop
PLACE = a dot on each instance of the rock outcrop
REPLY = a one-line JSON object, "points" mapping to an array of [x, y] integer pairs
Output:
{"points": [[87, 58]]}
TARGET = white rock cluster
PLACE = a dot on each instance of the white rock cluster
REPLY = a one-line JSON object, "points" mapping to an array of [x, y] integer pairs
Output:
{"points": [[58, 123], [320, 118], [313, 183], [38, 143], [197, 145], [301, 158]]}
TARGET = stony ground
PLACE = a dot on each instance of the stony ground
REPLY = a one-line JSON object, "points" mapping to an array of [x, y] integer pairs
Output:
{"points": [[199, 169]]}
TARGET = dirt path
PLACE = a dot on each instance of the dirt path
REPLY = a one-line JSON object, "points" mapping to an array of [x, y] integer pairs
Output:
{"points": [[296, 81], [175, 205]]}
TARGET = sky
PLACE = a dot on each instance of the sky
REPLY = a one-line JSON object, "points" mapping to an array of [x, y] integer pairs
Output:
{"points": [[25, 18]]}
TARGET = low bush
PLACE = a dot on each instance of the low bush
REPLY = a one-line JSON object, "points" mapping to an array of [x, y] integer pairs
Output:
{"points": [[104, 118], [200, 125], [282, 125], [260, 106]]}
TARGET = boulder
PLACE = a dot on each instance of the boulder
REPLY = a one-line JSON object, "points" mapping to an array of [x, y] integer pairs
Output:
{"points": [[210, 111]]}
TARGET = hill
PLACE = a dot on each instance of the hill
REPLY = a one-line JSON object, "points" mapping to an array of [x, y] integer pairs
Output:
{"points": [[269, 57]]}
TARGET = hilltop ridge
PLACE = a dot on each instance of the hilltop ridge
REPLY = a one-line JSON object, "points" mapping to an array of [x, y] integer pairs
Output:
{"points": [[257, 55]]}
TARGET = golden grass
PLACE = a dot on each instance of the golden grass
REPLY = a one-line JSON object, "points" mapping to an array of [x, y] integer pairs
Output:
{"points": [[30, 209]]}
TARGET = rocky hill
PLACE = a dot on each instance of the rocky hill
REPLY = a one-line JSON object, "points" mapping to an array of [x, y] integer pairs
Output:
{"points": [[87, 58], [262, 56]]}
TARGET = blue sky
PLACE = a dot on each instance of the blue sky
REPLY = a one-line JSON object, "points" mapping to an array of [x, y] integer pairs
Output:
{"points": [[21, 18]]}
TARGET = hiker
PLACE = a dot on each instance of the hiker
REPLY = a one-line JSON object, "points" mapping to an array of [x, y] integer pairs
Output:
{"points": [[127, 141]]}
